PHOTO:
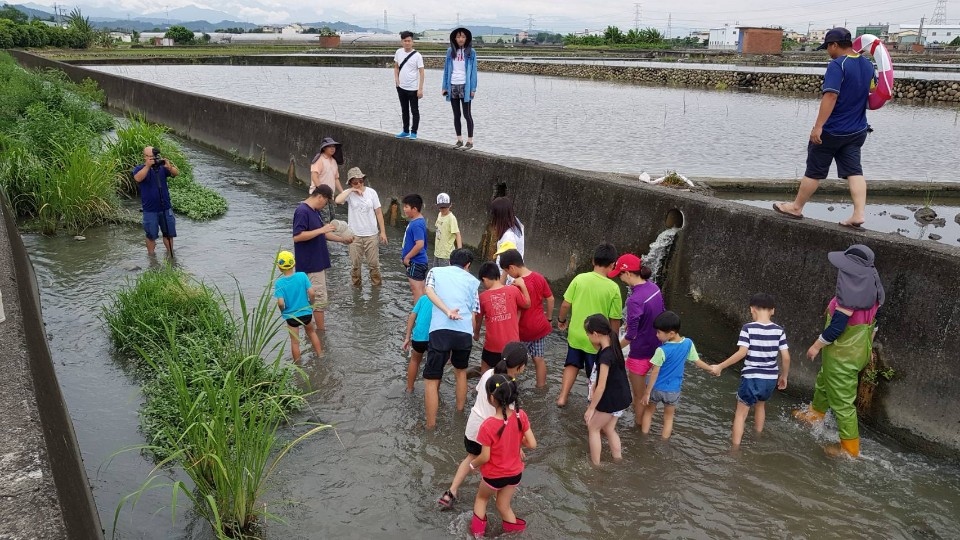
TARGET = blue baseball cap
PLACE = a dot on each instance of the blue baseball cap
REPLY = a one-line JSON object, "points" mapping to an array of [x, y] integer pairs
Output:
{"points": [[834, 35]]}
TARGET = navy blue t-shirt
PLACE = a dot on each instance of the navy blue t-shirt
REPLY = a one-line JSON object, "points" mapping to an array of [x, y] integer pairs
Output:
{"points": [[154, 194], [312, 255], [416, 230], [849, 77]]}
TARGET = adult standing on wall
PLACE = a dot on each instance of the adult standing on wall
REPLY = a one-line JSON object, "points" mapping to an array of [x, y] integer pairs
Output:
{"points": [[846, 344], [325, 171], [840, 129], [408, 76], [365, 217], [158, 218], [460, 81], [310, 237]]}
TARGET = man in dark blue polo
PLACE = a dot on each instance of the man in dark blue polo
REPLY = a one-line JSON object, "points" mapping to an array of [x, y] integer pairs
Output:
{"points": [[152, 176], [840, 129]]}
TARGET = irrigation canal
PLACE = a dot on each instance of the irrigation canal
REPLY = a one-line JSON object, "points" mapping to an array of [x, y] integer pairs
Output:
{"points": [[383, 480], [597, 126]]}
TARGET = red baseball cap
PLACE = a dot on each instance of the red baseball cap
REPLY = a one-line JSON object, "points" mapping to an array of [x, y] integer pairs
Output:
{"points": [[627, 262]]}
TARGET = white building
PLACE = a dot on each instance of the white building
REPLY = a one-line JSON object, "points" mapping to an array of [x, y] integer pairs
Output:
{"points": [[933, 34], [702, 35], [724, 38], [291, 29]]}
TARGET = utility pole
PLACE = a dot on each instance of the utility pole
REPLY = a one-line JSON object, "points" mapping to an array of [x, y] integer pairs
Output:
{"points": [[669, 25], [809, 25], [384, 20], [636, 16], [940, 13], [530, 23], [414, 23], [920, 31]]}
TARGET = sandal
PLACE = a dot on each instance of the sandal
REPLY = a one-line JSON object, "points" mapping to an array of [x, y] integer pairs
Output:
{"points": [[447, 500]]}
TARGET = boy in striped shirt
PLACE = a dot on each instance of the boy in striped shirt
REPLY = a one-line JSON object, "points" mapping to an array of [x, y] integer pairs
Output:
{"points": [[760, 343]]}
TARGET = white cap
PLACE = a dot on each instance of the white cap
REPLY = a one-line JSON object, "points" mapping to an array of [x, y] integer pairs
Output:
{"points": [[443, 200]]}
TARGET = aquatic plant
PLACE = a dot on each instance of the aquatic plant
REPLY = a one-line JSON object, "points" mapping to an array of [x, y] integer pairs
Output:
{"points": [[216, 393]]}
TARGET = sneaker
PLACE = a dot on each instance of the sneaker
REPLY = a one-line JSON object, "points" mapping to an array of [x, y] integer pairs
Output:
{"points": [[413, 135], [403, 135], [468, 146], [458, 145]]}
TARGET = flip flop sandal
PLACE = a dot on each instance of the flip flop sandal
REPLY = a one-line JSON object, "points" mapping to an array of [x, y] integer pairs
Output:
{"points": [[447, 500], [777, 209], [854, 226]]}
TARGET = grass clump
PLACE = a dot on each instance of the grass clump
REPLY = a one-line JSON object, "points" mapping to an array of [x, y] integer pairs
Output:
{"points": [[216, 392], [186, 196]]}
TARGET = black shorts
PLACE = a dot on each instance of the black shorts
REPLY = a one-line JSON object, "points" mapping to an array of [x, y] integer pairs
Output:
{"points": [[472, 447], [446, 344], [417, 271], [420, 346], [580, 359], [500, 483], [845, 149], [297, 322], [491, 359]]}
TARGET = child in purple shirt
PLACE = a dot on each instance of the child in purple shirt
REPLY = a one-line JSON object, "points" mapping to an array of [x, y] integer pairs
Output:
{"points": [[643, 305]]}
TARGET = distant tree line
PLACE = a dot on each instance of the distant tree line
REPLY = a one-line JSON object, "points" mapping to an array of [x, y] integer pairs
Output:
{"points": [[614, 36], [77, 32]]}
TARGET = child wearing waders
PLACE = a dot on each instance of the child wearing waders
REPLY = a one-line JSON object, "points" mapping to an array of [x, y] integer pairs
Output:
{"points": [[501, 459], [294, 296], [513, 362], [610, 394], [417, 336], [666, 375], [760, 343]]}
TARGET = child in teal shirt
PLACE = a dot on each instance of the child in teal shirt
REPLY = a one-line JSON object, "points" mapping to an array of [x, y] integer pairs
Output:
{"points": [[295, 300]]}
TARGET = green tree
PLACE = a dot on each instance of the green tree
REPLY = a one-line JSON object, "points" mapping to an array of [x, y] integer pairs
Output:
{"points": [[650, 35], [613, 35], [955, 42], [13, 14], [180, 35], [82, 32]]}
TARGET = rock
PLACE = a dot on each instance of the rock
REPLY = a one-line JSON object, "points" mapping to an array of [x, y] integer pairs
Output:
{"points": [[885, 213], [830, 209], [912, 208], [900, 217], [939, 222], [957, 219], [934, 237], [925, 215], [78, 237]]}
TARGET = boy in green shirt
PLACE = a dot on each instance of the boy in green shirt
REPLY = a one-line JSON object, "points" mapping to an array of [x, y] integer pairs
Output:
{"points": [[448, 233], [588, 293]]}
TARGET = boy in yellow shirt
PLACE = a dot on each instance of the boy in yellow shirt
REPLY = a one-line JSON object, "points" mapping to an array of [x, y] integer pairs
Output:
{"points": [[448, 233]]}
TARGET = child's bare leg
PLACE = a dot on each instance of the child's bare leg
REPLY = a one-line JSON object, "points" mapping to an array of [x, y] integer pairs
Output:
{"points": [[314, 338], [480, 502], [462, 471], [461, 389], [294, 342], [413, 368], [569, 377], [647, 420], [759, 416], [431, 401], [739, 421], [668, 413], [504, 496], [594, 427], [416, 288], [638, 385], [610, 430], [484, 367], [541, 364]]}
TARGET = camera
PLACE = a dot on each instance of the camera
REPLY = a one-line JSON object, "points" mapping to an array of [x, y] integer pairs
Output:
{"points": [[157, 160]]}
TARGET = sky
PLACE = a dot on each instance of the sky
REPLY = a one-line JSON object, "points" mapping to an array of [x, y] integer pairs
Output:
{"points": [[558, 15]]}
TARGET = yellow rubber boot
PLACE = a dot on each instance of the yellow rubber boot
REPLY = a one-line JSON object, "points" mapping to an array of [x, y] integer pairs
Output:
{"points": [[809, 416], [850, 447]]}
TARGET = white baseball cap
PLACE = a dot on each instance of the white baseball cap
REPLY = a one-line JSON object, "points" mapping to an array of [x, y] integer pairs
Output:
{"points": [[443, 200]]}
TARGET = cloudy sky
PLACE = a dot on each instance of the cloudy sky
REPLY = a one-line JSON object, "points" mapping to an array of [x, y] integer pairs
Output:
{"points": [[559, 15]]}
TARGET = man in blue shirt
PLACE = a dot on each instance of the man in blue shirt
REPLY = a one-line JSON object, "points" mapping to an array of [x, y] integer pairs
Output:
{"points": [[310, 237], [840, 129], [155, 198]]}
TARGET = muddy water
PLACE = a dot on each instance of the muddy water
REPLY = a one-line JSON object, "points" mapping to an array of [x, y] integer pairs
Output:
{"points": [[598, 126], [381, 476]]}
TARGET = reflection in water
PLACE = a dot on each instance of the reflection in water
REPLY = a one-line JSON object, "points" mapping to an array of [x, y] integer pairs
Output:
{"points": [[379, 475], [591, 125]]}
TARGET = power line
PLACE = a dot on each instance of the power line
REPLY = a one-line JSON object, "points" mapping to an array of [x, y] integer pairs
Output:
{"points": [[940, 13], [636, 16], [530, 23], [669, 25]]}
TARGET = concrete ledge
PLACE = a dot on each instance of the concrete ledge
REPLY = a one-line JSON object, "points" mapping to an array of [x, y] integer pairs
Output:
{"points": [[726, 252], [903, 188], [45, 492]]}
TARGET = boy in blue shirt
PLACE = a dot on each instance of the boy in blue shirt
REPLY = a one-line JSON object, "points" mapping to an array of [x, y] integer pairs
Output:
{"points": [[666, 375], [414, 251], [760, 343], [295, 300], [418, 336]]}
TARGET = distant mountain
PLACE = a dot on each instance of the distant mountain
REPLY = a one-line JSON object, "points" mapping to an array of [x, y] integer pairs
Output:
{"points": [[147, 26], [487, 30], [33, 12], [339, 26], [190, 13]]}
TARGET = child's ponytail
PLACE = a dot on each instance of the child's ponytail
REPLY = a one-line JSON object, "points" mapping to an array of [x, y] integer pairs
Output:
{"points": [[505, 393], [514, 355]]}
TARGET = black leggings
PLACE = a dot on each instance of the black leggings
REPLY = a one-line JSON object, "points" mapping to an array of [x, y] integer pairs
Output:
{"points": [[455, 103], [408, 102]]}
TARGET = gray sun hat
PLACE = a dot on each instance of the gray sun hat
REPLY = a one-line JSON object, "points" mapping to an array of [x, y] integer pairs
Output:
{"points": [[858, 282], [857, 259]]}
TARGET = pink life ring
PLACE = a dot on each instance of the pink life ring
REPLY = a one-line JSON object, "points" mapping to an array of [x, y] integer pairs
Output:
{"points": [[883, 91]]}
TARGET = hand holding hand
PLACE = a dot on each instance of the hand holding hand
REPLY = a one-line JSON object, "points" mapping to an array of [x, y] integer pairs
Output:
{"points": [[715, 370]]}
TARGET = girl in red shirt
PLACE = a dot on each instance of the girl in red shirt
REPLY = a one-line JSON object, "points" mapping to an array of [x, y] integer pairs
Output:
{"points": [[501, 460]]}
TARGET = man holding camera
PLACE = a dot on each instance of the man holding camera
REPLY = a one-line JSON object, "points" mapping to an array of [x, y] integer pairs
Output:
{"points": [[155, 198]]}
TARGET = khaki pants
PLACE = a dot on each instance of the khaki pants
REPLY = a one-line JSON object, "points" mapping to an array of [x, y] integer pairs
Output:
{"points": [[365, 248], [318, 281]]}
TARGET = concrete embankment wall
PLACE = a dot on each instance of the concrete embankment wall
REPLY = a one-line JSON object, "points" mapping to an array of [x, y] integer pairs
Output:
{"points": [[913, 90], [726, 251], [45, 489]]}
